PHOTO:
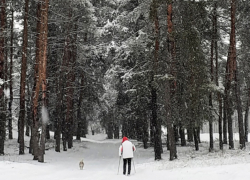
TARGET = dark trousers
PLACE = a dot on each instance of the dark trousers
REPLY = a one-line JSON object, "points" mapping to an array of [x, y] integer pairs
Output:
{"points": [[125, 162]]}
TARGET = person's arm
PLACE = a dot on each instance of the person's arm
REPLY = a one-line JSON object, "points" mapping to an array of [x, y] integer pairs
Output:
{"points": [[133, 146]]}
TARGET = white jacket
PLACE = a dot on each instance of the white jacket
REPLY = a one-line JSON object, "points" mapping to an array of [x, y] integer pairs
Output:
{"points": [[127, 150]]}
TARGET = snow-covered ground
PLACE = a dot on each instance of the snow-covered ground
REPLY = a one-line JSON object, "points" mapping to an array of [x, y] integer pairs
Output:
{"points": [[101, 162]]}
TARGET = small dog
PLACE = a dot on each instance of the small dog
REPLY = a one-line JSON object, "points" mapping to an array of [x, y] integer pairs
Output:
{"points": [[81, 164]]}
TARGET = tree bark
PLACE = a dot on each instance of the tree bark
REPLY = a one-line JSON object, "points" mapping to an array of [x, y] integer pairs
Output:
{"points": [[196, 140], [36, 87], [170, 130], [156, 124], [23, 79], [71, 84], [182, 134], [246, 116], [145, 132], [10, 75], [230, 72], [66, 60], [29, 111], [2, 57], [80, 128], [171, 86], [239, 110], [224, 120], [59, 117], [111, 127], [211, 140], [47, 130], [44, 45], [232, 56], [219, 96], [220, 121], [190, 133]]}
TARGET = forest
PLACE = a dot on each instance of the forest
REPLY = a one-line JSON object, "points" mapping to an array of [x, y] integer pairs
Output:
{"points": [[126, 68]]}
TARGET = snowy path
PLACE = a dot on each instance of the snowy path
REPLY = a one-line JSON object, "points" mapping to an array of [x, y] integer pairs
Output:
{"points": [[101, 163]]}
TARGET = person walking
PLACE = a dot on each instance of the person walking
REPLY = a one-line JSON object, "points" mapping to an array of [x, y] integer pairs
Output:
{"points": [[126, 150]]}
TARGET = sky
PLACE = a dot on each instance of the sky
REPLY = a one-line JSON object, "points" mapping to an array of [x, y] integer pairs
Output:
{"points": [[101, 162]]}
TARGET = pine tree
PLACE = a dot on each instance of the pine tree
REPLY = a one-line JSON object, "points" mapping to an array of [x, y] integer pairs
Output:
{"points": [[40, 71], [43, 66], [230, 73], [155, 121], [171, 86], [10, 74], [2, 57], [23, 80]]}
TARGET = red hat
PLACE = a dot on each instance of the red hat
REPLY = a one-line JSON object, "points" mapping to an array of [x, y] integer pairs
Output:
{"points": [[124, 139]]}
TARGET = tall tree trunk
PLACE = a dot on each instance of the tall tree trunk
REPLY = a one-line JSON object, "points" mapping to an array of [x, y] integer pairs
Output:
{"points": [[190, 133], [219, 96], [116, 124], [230, 72], [232, 51], [211, 140], [66, 60], [80, 127], [224, 120], [151, 133], [239, 110], [182, 135], [156, 125], [81, 121], [37, 83], [246, 116], [48, 89], [29, 112], [110, 125], [6, 84], [220, 122], [47, 130], [145, 133], [59, 113], [170, 130], [43, 66], [30, 122], [23, 79], [2, 57], [171, 86], [196, 139], [10, 75], [61, 119], [70, 85], [155, 121], [230, 126], [69, 99]]}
